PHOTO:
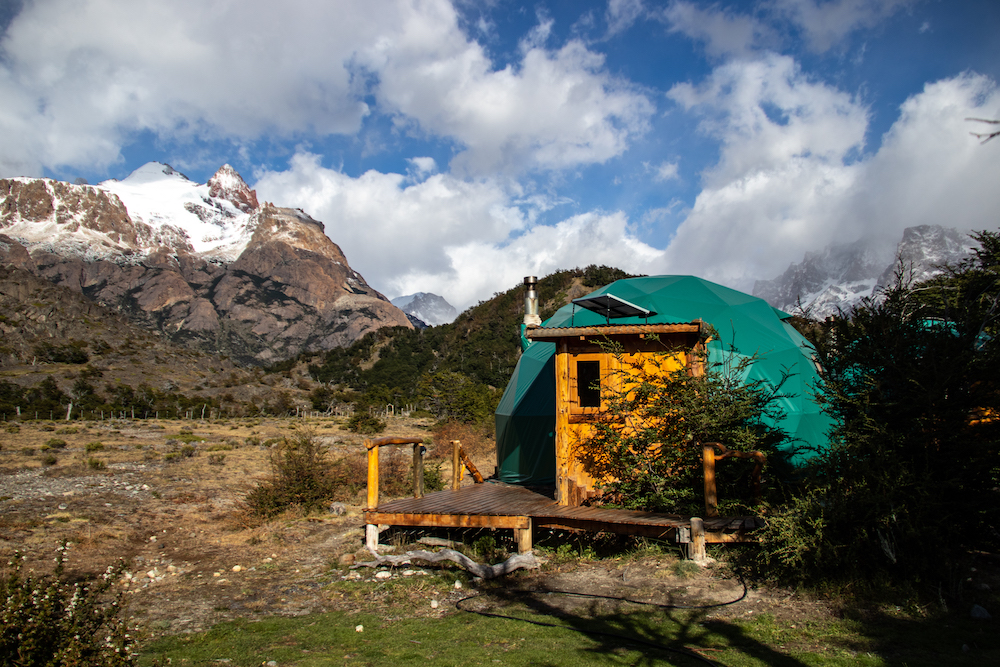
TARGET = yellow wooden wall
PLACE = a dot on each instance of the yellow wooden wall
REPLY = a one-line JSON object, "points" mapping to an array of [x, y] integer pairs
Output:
{"points": [[574, 481]]}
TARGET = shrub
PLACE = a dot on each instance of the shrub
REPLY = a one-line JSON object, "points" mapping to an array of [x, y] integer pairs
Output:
{"points": [[96, 464], [216, 459], [300, 477], [94, 447], [49, 621], [364, 423], [56, 443], [645, 443], [49, 460]]}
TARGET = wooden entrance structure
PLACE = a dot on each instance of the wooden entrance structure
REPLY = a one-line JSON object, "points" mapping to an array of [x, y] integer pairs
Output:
{"points": [[502, 506]]}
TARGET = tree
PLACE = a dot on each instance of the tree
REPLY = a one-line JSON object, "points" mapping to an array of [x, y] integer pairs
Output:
{"points": [[910, 482]]}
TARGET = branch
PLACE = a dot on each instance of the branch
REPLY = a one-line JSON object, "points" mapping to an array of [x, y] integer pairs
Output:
{"points": [[520, 561], [987, 135]]}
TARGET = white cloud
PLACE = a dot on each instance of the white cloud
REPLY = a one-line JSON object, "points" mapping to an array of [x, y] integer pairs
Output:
{"points": [[79, 79], [422, 166], [929, 171], [555, 109], [725, 33], [791, 178], [456, 238], [589, 238], [826, 22], [767, 113], [666, 171], [621, 14], [88, 74]]}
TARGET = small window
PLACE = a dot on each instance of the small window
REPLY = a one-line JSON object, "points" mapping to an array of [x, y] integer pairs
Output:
{"points": [[588, 383]]}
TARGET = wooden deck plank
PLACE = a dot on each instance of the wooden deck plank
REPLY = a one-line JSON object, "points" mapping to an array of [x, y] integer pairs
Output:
{"points": [[494, 505]]}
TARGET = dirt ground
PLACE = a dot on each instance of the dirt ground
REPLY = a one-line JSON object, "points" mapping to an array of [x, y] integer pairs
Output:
{"points": [[121, 489]]}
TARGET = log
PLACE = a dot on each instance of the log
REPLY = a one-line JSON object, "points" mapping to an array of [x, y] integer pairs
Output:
{"points": [[524, 561]]}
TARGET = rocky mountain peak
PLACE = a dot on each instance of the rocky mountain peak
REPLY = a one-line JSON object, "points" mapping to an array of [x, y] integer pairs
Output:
{"points": [[429, 309], [834, 279], [229, 185], [203, 264]]}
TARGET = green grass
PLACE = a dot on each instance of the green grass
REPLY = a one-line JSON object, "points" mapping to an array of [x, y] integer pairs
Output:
{"points": [[590, 634]]}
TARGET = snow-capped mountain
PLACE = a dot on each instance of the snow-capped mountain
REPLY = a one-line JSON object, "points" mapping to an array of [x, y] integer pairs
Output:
{"points": [[430, 309], [213, 220], [155, 207], [835, 279], [205, 264]]}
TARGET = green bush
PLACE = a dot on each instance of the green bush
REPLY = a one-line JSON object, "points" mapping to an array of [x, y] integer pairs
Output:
{"points": [[96, 464], [364, 423], [49, 621], [94, 447], [56, 443], [300, 477], [49, 460]]}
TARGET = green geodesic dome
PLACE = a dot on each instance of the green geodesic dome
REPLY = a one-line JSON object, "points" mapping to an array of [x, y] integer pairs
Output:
{"points": [[746, 326]]}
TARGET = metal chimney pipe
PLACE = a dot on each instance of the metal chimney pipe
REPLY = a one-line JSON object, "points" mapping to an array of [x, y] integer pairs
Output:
{"points": [[531, 317]]}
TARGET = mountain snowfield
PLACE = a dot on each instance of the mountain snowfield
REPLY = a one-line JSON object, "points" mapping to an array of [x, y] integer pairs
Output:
{"points": [[214, 226], [154, 207], [835, 279]]}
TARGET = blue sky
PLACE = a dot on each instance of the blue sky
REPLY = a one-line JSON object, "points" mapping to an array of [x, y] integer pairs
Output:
{"points": [[454, 147]]}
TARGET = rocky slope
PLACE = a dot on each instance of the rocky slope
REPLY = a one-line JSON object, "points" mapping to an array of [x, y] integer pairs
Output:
{"points": [[205, 264], [836, 278]]}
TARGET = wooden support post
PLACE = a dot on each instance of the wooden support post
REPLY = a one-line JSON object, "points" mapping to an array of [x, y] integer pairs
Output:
{"points": [[711, 493], [371, 537], [697, 551], [418, 470], [523, 537], [456, 465], [372, 474]]}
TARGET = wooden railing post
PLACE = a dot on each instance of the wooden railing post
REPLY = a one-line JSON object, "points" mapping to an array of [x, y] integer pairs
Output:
{"points": [[418, 470], [711, 493], [456, 465], [372, 474], [371, 530]]}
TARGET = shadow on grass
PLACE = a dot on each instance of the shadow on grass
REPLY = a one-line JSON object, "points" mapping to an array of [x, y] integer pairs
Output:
{"points": [[901, 638], [662, 633]]}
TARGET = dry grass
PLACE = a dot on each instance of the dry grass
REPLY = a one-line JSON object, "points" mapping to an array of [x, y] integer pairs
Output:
{"points": [[160, 509]]}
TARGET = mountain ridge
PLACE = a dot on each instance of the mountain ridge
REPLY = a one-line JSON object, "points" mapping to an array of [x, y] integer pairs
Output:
{"points": [[206, 264], [830, 281]]}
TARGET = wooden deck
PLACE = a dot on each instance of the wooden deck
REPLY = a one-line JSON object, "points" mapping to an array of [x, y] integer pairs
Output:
{"points": [[497, 505]]}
